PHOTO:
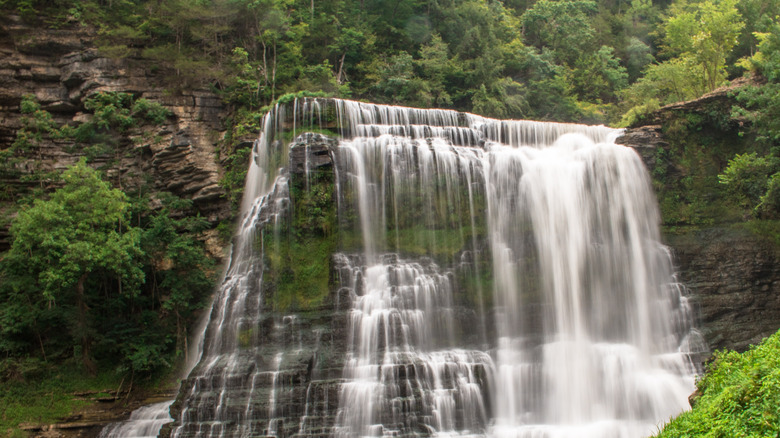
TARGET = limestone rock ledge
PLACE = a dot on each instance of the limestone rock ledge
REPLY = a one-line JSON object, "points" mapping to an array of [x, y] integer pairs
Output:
{"points": [[61, 68]]}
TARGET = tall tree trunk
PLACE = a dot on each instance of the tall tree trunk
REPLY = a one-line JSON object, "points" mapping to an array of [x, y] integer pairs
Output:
{"points": [[339, 78], [83, 329]]}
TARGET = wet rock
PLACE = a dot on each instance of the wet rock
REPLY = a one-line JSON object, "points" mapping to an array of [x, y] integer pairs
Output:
{"points": [[645, 140], [311, 151], [732, 280]]}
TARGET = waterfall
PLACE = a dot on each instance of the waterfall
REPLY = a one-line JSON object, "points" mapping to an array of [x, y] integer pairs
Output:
{"points": [[490, 279]]}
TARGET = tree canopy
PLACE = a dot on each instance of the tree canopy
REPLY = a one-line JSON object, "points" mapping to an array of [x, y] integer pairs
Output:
{"points": [[563, 60]]}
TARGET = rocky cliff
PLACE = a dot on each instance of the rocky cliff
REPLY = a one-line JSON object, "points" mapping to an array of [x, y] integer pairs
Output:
{"points": [[731, 273], [61, 68]]}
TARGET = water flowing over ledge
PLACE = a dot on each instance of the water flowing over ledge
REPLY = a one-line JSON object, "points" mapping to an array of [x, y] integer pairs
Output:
{"points": [[409, 272]]}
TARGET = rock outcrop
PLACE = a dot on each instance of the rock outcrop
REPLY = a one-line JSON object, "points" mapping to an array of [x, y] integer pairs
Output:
{"points": [[733, 278], [62, 68]]}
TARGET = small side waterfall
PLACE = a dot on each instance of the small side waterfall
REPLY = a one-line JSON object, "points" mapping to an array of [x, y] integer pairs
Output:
{"points": [[487, 279], [143, 422]]}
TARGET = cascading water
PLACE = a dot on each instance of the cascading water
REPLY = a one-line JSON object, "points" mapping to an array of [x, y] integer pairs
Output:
{"points": [[496, 279], [143, 422]]}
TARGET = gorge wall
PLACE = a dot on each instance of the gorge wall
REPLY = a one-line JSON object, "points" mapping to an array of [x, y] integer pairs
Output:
{"points": [[61, 68]]}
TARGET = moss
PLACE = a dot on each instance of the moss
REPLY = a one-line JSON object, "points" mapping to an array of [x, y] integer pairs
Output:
{"points": [[302, 272], [245, 337], [476, 286], [298, 256], [441, 244]]}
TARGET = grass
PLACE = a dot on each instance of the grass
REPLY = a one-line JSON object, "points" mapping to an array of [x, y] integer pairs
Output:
{"points": [[49, 396]]}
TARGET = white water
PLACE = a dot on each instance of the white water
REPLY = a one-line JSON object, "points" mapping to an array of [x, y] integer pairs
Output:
{"points": [[582, 330], [143, 422], [573, 231]]}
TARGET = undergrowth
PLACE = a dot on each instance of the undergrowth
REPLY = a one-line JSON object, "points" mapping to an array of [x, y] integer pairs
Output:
{"points": [[738, 397], [52, 394]]}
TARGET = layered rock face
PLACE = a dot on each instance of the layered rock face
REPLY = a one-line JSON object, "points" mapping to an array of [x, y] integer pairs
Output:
{"points": [[61, 68], [733, 278]]}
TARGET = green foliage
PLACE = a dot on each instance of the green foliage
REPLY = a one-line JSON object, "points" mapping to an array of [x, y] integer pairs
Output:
{"points": [[699, 36], [181, 275], [747, 178], [754, 179], [770, 201], [703, 34], [739, 396], [232, 180], [59, 244], [37, 125], [638, 113], [81, 281], [761, 104], [600, 77], [685, 175], [562, 26]]}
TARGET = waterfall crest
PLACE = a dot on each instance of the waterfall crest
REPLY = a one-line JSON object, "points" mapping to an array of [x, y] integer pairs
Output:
{"points": [[491, 279]]}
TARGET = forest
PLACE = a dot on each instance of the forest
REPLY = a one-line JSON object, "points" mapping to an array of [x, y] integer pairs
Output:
{"points": [[115, 293]]}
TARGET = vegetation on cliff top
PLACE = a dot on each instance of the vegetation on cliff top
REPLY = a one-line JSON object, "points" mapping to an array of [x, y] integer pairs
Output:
{"points": [[564, 60]]}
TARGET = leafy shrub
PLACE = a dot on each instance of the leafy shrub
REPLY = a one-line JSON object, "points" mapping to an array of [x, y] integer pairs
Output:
{"points": [[151, 111], [738, 397], [746, 177]]}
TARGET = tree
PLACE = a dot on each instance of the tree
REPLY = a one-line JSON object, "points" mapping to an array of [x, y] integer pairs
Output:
{"points": [[706, 33], [600, 77], [761, 104], [751, 178], [562, 26], [79, 234]]}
